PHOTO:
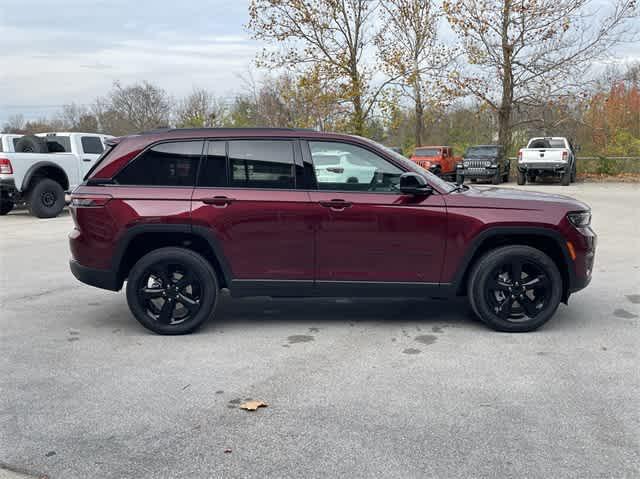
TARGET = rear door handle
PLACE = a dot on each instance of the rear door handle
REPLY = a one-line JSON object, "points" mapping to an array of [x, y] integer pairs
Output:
{"points": [[86, 159], [218, 201], [336, 204]]}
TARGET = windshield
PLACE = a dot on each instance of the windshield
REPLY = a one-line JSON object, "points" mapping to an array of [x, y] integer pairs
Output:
{"points": [[482, 151], [411, 166], [427, 152]]}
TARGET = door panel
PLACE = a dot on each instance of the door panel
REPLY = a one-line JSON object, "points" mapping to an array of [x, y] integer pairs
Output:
{"points": [[379, 237], [264, 234], [366, 230], [247, 198]]}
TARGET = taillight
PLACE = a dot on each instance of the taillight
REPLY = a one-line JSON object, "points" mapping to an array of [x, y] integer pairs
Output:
{"points": [[5, 167], [565, 155], [519, 155], [89, 201]]}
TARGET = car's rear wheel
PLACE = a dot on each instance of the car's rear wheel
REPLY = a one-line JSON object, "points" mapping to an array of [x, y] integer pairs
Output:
{"points": [[46, 199], [6, 207], [515, 288], [565, 180], [522, 179], [172, 290]]}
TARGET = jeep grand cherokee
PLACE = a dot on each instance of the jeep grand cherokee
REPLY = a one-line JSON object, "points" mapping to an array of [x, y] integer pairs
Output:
{"points": [[181, 214]]}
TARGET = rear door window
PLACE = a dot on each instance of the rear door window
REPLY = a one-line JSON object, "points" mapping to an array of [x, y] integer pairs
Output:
{"points": [[165, 164], [213, 171], [91, 145], [261, 164]]}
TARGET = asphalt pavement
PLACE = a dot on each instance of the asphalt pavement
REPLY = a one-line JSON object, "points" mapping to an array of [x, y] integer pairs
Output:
{"points": [[355, 388]]}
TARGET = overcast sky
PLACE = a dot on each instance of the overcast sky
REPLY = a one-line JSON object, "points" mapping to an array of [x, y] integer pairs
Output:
{"points": [[72, 50]]}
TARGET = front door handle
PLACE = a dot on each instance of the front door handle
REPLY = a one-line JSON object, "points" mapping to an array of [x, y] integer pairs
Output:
{"points": [[218, 201], [336, 204], [86, 159]]}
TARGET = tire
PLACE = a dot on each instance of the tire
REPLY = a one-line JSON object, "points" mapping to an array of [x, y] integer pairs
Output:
{"points": [[459, 179], [31, 144], [497, 307], [46, 199], [189, 305], [6, 207], [573, 172], [565, 180], [497, 178], [522, 179]]}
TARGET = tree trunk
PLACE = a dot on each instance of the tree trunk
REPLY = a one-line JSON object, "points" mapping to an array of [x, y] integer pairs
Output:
{"points": [[506, 102], [419, 107], [358, 116]]}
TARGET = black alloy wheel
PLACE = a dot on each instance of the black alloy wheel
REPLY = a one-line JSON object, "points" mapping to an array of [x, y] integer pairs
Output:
{"points": [[172, 290], [518, 290], [170, 293], [515, 288]]}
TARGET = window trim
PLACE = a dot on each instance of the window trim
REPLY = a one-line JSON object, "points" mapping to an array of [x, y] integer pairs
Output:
{"points": [[147, 148]]}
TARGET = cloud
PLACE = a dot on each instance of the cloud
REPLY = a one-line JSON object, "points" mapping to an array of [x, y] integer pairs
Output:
{"points": [[75, 52]]}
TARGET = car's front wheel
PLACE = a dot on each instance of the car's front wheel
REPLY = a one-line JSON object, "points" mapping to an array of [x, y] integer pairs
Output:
{"points": [[172, 290], [515, 288]]}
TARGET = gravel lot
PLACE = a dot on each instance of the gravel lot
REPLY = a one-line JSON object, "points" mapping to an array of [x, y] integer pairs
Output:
{"points": [[369, 388]]}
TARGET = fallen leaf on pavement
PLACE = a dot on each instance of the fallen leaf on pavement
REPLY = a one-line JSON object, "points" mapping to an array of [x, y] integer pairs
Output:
{"points": [[253, 405]]}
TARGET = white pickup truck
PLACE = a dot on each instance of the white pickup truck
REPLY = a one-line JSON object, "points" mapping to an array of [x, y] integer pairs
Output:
{"points": [[547, 156], [39, 169]]}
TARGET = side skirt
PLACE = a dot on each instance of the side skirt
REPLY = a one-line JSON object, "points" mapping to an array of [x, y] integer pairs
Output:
{"points": [[363, 289]]}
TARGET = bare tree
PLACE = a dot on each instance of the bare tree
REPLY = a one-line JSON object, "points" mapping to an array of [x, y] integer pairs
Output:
{"points": [[143, 106], [78, 118], [14, 124], [524, 53], [409, 50], [330, 37], [200, 109]]}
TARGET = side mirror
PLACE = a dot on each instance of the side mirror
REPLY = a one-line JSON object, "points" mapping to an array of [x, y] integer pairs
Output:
{"points": [[414, 184]]}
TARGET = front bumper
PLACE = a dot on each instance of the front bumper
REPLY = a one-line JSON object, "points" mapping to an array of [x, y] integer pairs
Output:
{"points": [[100, 278], [476, 171], [8, 190]]}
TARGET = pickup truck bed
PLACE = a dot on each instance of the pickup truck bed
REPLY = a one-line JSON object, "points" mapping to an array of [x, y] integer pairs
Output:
{"points": [[57, 163]]}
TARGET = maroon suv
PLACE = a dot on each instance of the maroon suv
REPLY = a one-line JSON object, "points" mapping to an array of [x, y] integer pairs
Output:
{"points": [[180, 214]]}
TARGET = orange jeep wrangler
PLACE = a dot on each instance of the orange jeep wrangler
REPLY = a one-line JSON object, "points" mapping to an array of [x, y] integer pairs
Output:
{"points": [[437, 159]]}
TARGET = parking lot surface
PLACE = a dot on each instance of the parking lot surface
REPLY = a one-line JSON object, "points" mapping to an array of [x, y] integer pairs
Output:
{"points": [[355, 388]]}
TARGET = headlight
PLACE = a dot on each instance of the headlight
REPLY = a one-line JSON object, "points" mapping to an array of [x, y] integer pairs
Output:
{"points": [[487, 163], [580, 219]]}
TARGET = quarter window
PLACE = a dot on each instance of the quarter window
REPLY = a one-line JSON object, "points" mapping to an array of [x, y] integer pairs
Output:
{"points": [[345, 167], [261, 164], [91, 145], [166, 164]]}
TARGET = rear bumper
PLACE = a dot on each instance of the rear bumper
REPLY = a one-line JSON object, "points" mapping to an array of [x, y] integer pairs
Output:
{"points": [[100, 278], [543, 168], [8, 190]]}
